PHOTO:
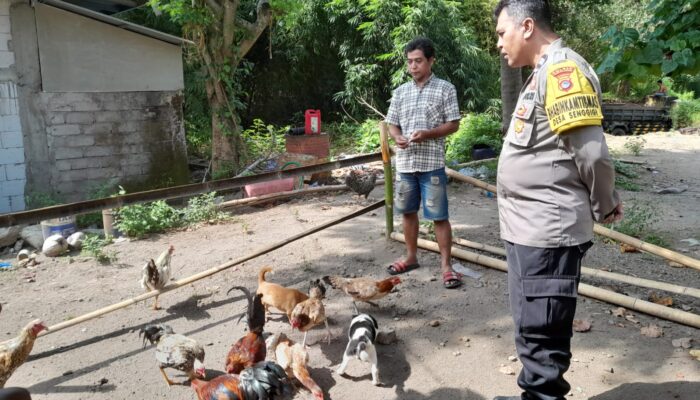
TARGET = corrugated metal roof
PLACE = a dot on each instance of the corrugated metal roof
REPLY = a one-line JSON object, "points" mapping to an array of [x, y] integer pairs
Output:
{"points": [[129, 26]]}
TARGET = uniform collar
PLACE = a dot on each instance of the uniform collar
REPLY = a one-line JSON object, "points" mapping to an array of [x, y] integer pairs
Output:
{"points": [[554, 46]]}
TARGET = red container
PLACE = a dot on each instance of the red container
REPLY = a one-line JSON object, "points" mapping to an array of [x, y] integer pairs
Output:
{"points": [[313, 122]]}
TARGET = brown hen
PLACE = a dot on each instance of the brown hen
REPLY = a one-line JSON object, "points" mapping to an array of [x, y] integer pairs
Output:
{"points": [[310, 313], [15, 351], [249, 349], [363, 289]]}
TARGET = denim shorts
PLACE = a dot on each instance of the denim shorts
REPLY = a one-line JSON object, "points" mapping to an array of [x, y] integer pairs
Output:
{"points": [[430, 188]]}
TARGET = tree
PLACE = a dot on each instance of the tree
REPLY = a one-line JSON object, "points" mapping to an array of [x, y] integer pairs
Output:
{"points": [[222, 36], [666, 45]]}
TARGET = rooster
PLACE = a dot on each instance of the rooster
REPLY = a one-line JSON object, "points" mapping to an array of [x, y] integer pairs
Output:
{"points": [[361, 182], [249, 349], [311, 312], [156, 274], [263, 381], [15, 351], [293, 358], [363, 289], [175, 351]]}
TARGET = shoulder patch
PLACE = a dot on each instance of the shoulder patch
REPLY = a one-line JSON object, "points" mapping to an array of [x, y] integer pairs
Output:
{"points": [[570, 100]]}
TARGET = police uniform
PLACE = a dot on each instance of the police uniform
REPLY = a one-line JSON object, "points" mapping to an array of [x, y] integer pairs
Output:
{"points": [[555, 178]]}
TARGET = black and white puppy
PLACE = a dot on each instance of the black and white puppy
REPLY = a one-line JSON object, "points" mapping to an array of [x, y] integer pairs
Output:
{"points": [[362, 334]]}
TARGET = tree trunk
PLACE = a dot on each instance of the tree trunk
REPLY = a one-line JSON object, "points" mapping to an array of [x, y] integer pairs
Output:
{"points": [[511, 82]]}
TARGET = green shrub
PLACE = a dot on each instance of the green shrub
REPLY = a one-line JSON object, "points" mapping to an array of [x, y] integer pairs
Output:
{"points": [[93, 246], [353, 137], [368, 137], [685, 114], [262, 139], [203, 208], [141, 219], [473, 129], [635, 145], [637, 220]]}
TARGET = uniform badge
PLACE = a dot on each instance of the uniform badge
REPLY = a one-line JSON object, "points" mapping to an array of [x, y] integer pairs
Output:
{"points": [[519, 126], [563, 76], [521, 111]]}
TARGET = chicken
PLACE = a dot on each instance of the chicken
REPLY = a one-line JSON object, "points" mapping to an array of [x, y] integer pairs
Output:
{"points": [[363, 289], [249, 349], [175, 351], [360, 181], [15, 351], [263, 381], [156, 274], [311, 312], [293, 358]]}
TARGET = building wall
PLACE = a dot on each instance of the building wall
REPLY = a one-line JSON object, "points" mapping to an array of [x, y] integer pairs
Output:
{"points": [[12, 161], [78, 142]]}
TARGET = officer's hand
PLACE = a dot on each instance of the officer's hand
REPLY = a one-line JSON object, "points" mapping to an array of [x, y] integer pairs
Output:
{"points": [[401, 142], [419, 136], [616, 215]]}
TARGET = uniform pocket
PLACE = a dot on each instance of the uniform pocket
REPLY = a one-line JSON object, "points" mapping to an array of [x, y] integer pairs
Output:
{"points": [[432, 114], [549, 305], [521, 124]]}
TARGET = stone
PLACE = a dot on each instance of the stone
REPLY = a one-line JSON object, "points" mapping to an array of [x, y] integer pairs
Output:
{"points": [[434, 323], [8, 236], [32, 234], [387, 337]]}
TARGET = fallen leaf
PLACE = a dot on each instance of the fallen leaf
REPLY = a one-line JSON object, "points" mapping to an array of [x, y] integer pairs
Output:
{"points": [[652, 331], [619, 312], [625, 248], [695, 353], [507, 370], [682, 342], [582, 325], [662, 300]]}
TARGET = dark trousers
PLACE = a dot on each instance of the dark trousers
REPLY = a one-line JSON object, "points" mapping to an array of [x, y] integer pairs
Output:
{"points": [[543, 285], [14, 393]]}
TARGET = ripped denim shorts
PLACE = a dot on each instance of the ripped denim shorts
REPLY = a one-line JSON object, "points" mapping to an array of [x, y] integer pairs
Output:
{"points": [[428, 188]]}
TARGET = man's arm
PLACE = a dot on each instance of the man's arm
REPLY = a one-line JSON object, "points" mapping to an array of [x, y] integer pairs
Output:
{"points": [[590, 154], [398, 137], [445, 129]]}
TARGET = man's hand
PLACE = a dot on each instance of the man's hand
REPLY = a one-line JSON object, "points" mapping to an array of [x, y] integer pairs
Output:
{"points": [[616, 215], [419, 136], [401, 141]]}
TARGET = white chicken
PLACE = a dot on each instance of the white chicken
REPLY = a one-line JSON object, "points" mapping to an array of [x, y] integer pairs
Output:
{"points": [[156, 274]]}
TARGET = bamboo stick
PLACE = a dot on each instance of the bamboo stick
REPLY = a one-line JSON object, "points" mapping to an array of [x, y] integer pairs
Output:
{"points": [[597, 273], [656, 310], [601, 230], [648, 247], [389, 177], [282, 195], [479, 246], [477, 162], [201, 275]]}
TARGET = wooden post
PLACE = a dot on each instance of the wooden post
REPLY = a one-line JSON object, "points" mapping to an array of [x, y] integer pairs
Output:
{"points": [[388, 179]]}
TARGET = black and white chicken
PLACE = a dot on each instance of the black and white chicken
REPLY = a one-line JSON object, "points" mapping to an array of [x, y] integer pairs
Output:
{"points": [[156, 274]]}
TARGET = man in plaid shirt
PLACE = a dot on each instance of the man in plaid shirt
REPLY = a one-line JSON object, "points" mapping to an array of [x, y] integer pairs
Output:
{"points": [[421, 114]]}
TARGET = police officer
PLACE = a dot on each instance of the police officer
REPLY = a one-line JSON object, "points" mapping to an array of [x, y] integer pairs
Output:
{"points": [[555, 178]]}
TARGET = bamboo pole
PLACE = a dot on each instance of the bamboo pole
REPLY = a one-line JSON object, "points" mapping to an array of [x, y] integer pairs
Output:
{"points": [[648, 247], [389, 178], [283, 195], [597, 273], [470, 163], [593, 292], [479, 246], [201, 275], [601, 230]]}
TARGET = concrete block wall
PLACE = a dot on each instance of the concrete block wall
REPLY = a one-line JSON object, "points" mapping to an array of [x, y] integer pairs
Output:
{"points": [[12, 160], [126, 138]]}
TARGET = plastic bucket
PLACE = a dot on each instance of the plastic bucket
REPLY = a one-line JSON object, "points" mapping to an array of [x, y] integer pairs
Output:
{"points": [[65, 226]]}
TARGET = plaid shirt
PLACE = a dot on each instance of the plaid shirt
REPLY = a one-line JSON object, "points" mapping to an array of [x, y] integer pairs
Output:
{"points": [[414, 108]]}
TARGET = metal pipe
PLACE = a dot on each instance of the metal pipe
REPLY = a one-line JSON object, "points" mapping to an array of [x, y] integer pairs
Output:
{"points": [[83, 207]]}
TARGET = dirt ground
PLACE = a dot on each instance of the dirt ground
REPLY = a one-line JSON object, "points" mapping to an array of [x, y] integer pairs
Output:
{"points": [[462, 358]]}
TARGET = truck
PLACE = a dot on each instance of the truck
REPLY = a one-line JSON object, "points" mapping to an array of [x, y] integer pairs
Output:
{"points": [[634, 119]]}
